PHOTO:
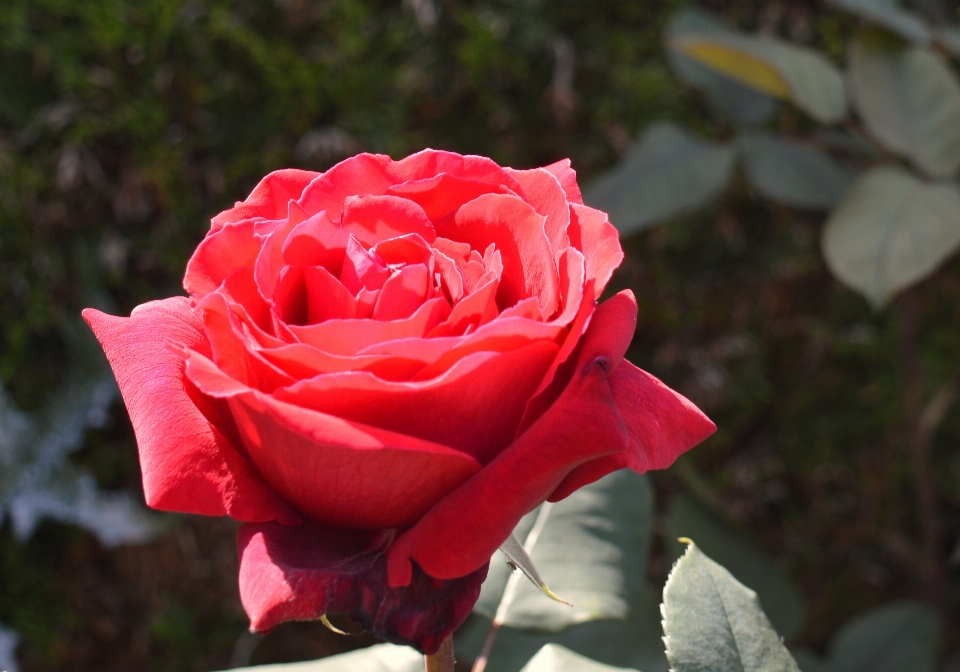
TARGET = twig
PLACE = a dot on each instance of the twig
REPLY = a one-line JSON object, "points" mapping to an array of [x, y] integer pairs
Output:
{"points": [[442, 660]]}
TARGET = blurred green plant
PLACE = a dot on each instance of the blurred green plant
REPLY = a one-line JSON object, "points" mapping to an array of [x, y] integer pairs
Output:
{"points": [[893, 199]]}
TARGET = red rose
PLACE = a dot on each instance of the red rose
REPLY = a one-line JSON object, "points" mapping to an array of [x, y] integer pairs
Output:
{"points": [[380, 369]]}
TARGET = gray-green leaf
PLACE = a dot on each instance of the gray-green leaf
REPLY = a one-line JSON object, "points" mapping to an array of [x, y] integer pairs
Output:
{"points": [[713, 623], [891, 230], [791, 172], [555, 658], [668, 173], [773, 66], [740, 105], [909, 100], [781, 598], [591, 549], [888, 14], [893, 638], [377, 658]]}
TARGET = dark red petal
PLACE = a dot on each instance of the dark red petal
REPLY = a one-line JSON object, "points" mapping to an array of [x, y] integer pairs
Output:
{"points": [[474, 406], [269, 198], [567, 177], [218, 256], [371, 219], [301, 573], [593, 234], [461, 532], [662, 424], [188, 464], [542, 190], [358, 175], [333, 470], [516, 229]]}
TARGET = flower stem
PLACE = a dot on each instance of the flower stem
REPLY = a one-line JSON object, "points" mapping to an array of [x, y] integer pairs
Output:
{"points": [[442, 660]]}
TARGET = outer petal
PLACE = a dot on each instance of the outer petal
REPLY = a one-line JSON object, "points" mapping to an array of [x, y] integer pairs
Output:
{"points": [[356, 176], [188, 463], [463, 530], [593, 234], [474, 406], [335, 471], [218, 256], [662, 425], [269, 198], [301, 573], [567, 177]]}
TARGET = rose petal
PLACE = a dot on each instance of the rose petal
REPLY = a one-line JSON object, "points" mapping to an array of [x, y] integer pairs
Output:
{"points": [[268, 200], [362, 268], [443, 194], [567, 177], [662, 424], [474, 406], [231, 349], [430, 162], [316, 241], [301, 573], [542, 190], [358, 175], [333, 470], [348, 337], [593, 234], [374, 218], [403, 293], [188, 463], [516, 230], [461, 532], [219, 255]]}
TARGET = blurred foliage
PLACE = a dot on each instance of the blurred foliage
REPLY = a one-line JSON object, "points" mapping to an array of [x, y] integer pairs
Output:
{"points": [[125, 125]]}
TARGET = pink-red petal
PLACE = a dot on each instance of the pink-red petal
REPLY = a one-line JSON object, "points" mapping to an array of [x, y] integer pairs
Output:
{"points": [[189, 464], [461, 532], [269, 198], [662, 424], [516, 229]]}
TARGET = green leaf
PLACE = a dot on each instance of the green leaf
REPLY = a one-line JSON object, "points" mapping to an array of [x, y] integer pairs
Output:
{"points": [[377, 658], [808, 661], [633, 643], [667, 174], [713, 623], [739, 104], [591, 549], [773, 66], [778, 593], [893, 638], [890, 231], [791, 172], [555, 658], [909, 100], [889, 15]]}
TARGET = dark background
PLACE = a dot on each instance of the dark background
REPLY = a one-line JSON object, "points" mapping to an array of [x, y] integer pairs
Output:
{"points": [[124, 126]]}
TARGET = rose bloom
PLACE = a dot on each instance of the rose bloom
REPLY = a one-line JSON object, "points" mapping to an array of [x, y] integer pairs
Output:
{"points": [[380, 369]]}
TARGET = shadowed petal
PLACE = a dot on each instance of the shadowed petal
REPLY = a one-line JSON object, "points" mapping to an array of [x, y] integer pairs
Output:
{"points": [[301, 573]]}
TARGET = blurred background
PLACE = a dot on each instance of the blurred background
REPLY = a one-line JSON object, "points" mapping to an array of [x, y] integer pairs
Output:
{"points": [[833, 483]]}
